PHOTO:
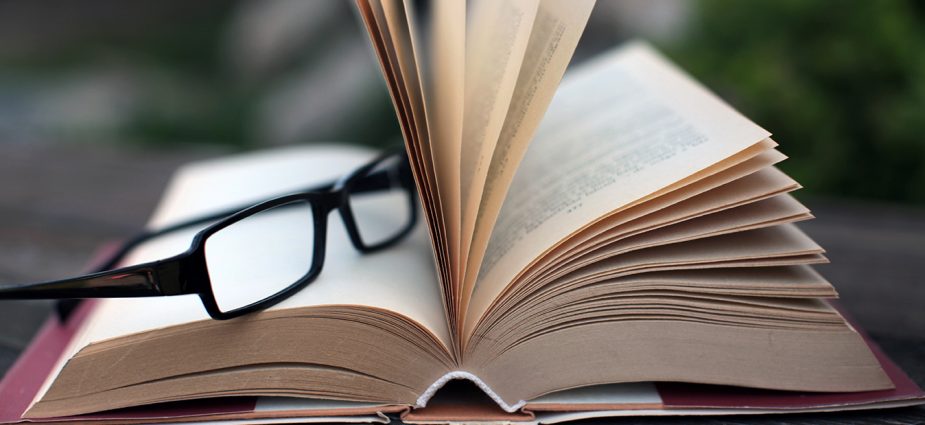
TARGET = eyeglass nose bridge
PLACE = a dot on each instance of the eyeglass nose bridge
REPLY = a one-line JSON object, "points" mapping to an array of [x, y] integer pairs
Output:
{"points": [[337, 200]]}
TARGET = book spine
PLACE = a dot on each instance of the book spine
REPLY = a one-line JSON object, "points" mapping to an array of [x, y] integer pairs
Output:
{"points": [[461, 374]]}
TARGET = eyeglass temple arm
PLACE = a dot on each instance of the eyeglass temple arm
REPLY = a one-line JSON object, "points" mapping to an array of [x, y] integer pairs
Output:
{"points": [[142, 280]]}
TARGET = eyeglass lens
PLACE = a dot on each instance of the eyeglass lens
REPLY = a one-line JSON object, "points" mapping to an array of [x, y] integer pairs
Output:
{"points": [[381, 215], [261, 255]]}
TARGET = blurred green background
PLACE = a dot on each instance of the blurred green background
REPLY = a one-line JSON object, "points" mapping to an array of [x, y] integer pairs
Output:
{"points": [[841, 84]]}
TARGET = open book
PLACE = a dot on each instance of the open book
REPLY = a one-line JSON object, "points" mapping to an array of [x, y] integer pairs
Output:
{"points": [[623, 226]]}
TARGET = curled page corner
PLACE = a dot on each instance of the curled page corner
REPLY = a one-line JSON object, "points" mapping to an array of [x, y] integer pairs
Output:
{"points": [[460, 374]]}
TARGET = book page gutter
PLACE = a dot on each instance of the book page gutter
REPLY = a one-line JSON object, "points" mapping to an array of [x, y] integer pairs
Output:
{"points": [[556, 31], [619, 129]]}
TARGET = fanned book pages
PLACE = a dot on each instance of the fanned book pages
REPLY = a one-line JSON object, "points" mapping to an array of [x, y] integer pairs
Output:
{"points": [[587, 237]]}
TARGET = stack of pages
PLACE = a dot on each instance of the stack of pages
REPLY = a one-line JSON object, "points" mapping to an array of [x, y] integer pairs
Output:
{"points": [[588, 248]]}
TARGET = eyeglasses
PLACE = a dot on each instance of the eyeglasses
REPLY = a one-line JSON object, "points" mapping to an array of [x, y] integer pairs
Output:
{"points": [[254, 257]]}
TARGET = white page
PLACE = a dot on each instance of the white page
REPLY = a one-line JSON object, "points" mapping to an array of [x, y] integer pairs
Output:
{"points": [[399, 279]]}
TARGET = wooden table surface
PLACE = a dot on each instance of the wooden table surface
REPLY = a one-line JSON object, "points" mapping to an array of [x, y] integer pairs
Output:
{"points": [[59, 202]]}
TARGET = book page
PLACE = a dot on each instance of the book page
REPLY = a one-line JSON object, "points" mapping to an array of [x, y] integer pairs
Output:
{"points": [[556, 31], [399, 21], [445, 94], [390, 28], [748, 181], [620, 128], [496, 40], [764, 213], [400, 279]]}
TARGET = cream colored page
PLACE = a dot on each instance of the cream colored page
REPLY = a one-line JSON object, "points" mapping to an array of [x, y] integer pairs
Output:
{"points": [[497, 34], [400, 279], [445, 95], [386, 21], [619, 129], [401, 29], [556, 31]]}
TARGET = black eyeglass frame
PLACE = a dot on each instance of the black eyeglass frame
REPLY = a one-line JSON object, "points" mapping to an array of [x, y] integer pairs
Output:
{"points": [[187, 273]]}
